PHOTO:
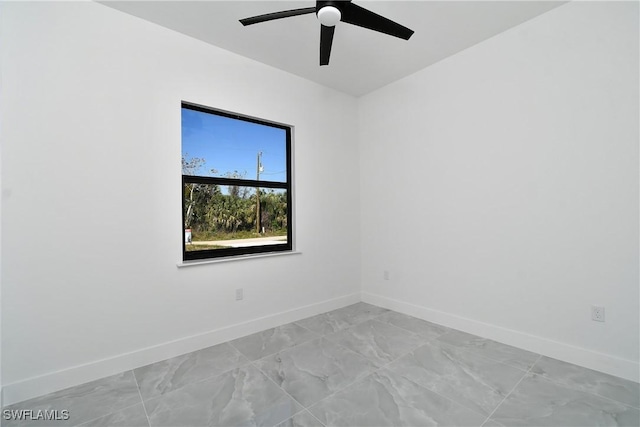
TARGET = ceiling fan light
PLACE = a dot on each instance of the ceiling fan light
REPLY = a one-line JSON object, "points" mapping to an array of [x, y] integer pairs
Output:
{"points": [[329, 16]]}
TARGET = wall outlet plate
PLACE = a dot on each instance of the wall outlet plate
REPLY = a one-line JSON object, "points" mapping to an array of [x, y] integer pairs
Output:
{"points": [[597, 313], [239, 294]]}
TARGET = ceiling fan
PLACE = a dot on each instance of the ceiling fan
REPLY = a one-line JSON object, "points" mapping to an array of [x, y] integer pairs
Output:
{"points": [[329, 13]]}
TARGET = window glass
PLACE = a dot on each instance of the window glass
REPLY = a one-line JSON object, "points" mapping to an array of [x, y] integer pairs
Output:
{"points": [[231, 147], [236, 184]]}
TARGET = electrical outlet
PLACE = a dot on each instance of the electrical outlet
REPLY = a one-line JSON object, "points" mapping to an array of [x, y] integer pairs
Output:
{"points": [[239, 294], [385, 275], [597, 313]]}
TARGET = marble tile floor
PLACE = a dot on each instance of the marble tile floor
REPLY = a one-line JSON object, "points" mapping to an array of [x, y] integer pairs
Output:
{"points": [[356, 366]]}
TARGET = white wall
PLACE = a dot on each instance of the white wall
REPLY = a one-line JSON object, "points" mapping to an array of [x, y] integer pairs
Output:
{"points": [[500, 188], [91, 220]]}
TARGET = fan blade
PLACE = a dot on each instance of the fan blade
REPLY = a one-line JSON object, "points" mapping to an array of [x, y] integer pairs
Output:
{"points": [[356, 15], [326, 40], [277, 15]]}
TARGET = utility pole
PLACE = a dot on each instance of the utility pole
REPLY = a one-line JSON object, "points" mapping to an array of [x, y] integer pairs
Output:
{"points": [[258, 170]]}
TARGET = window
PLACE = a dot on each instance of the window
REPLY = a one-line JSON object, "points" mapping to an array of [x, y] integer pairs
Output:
{"points": [[236, 184]]}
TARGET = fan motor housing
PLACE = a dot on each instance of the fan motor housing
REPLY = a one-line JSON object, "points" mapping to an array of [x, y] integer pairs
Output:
{"points": [[329, 16]]}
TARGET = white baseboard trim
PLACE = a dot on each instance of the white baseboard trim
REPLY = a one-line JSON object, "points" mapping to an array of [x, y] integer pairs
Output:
{"points": [[606, 363], [76, 375]]}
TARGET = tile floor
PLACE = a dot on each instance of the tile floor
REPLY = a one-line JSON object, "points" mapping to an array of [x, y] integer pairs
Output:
{"points": [[357, 366]]}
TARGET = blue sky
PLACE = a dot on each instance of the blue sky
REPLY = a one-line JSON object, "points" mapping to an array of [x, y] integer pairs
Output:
{"points": [[230, 145]]}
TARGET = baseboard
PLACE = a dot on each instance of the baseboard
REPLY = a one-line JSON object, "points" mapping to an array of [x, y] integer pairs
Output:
{"points": [[606, 363], [76, 375], [59, 380]]}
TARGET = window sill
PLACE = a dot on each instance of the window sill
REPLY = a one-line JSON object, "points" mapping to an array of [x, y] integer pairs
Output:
{"points": [[235, 258]]}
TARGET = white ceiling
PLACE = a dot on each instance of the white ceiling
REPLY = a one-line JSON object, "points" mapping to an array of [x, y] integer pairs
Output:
{"points": [[361, 60]]}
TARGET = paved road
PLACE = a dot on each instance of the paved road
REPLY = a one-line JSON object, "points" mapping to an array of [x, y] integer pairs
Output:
{"points": [[241, 243]]}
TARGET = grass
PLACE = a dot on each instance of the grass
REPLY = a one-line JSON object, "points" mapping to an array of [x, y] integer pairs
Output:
{"points": [[242, 234], [193, 248]]}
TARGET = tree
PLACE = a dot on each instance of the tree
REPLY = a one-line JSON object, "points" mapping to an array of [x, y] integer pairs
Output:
{"points": [[209, 212], [236, 190], [192, 166]]}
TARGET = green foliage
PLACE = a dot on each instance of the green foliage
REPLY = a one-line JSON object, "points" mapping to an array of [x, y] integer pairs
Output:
{"points": [[193, 248], [212, 214], [273, 207]]}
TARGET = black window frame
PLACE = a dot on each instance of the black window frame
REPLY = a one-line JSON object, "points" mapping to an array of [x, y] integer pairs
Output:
{"points": [[223, 181]]}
